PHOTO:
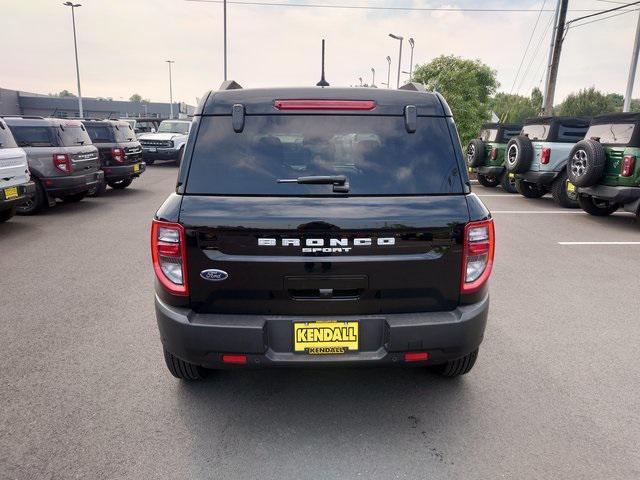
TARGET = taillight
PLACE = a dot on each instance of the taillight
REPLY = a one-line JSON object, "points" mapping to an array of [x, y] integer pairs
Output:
{"points": [[494, 153], [545, 156], [62, 162], [168, 252], [628, 165], [117, 154], [324, 104], [477, 258]]}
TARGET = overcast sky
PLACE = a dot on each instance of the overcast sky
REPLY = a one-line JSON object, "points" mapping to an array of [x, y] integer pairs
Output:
{"points": [[123, 44]]}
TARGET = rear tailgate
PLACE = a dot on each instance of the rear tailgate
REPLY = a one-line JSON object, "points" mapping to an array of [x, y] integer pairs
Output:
{"points": [[328, 256]]}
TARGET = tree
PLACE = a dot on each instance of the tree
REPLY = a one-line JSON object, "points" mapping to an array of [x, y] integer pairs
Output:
{"points": [[513, 108], [467, 85], [135, 98], [65, 93], [588, 102]]}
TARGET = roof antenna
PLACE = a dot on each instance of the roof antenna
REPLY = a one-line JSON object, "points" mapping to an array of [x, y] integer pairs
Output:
{"points": [[322, 82]]}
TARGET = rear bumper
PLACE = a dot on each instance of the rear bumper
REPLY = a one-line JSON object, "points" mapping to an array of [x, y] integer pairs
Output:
{"points": [[539, 177], [491, 171], [68, 185], [25, 191], [629, 197], [267, 340], [123, 172]]}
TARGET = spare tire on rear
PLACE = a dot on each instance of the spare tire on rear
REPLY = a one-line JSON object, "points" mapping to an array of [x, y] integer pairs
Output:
{"points": [[475, 153], [519, 154], [586, 163]]}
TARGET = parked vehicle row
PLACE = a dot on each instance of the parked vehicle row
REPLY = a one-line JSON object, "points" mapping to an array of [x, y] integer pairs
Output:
{"points": [[44, 159], [583, 163]]}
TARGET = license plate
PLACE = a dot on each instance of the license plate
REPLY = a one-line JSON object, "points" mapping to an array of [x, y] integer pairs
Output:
{"points": [[470, 170], [325, 338], [152, 149], [11, 193], [512, 175], [136, 167], [571, 187]]}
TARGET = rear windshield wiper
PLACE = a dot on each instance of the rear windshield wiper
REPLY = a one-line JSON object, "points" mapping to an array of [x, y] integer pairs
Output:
{"points": [[340, 182]]}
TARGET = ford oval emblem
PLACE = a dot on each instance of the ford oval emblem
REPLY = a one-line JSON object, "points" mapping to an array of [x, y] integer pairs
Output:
{"points": [[214, 275]]}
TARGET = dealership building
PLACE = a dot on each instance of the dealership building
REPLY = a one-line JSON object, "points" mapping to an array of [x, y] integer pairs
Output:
{"points": [[15, 102]]}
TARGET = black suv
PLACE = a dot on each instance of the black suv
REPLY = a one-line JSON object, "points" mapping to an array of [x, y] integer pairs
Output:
{"points": [[120, 152], [322, 226]]}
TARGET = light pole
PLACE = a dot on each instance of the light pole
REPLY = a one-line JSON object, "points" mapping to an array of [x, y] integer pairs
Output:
{"points": [[75, 46], [360, 78], [398, 37], [388, 71], [413, 44], [170, 90], [373, 77], [224, 15]]}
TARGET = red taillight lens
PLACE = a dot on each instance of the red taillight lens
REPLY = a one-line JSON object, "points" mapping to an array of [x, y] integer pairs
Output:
{"points": [[117, 154], [62, 162], [545, 156], [168, 252], [494, 153], [628, 165], [324, 104], [477, 258]]}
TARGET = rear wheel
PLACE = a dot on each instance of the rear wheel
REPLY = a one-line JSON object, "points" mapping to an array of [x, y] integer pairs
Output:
{"points": [[488, 181], [36, 203], [181, 369], [76, 197], [529, 190], [455, 368], [120, 184], [596, 207], [7, 214], [508, 183], [560, 193]]}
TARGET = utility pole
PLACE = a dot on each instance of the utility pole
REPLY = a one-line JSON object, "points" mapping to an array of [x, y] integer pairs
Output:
{"points": [[75, 46], [550, 55], [224, 15], [632, 70], [170, 90], [550, 87]]}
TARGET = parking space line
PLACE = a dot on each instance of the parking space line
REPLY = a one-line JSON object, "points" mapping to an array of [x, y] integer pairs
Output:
{"points": [[598, 243], [499, 195], [540, 212]]}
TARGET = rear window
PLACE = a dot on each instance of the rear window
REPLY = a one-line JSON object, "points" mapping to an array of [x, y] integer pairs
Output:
{"points": [[612, 133], [73, 135], [100, 133], [124, 133], [489, 134], [375, 153], [40, 136], [536, 132], [6, 139]]}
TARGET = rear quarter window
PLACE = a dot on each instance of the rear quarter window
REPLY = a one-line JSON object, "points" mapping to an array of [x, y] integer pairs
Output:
{"points": [[375, 153], [536, 132]]}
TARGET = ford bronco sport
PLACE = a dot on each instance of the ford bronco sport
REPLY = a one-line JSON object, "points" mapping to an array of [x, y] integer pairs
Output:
{"points": [[15, 184], [322, 226], [120, 152], [485, 155], [538, 157], [62, 160], [167, 143], [604, 166]]}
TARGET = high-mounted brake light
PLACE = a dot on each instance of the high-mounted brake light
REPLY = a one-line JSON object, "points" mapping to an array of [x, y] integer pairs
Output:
{"points": [[324, 104], [117, 154], [545, 156], [628, 165], [168, 252], [477, 258], [62, 162], [494, 153]]}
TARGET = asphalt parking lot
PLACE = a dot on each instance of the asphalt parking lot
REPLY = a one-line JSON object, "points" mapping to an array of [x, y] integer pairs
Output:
{"points": [[85, 393]]}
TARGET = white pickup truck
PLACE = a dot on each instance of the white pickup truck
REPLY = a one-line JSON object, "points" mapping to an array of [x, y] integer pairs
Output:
{"points": [[15, 182], [167, 143]]}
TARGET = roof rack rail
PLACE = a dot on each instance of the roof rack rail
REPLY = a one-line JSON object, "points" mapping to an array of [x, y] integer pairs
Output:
{"points": [[230, 85], [413, 86]]}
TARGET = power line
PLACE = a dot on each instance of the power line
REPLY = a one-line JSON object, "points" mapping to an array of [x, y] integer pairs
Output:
{"points": [[373, 7], [604, 18], [535, 55], [602, 12]]}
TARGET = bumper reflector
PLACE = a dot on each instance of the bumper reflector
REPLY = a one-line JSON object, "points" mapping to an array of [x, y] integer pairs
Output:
{"points": [[416, 356], [237, 359]]}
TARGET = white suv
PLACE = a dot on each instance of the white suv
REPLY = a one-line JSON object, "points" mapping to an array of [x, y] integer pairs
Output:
{"points": [[15, 181], [167, 143]]}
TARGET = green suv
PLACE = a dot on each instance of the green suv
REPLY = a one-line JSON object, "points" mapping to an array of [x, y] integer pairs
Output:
{"points": [[485, 155], [604, 166]]}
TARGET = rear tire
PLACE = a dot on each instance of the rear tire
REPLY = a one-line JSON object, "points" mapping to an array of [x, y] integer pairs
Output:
{"points": [[489, 182], [519, 154], [560, 194], [508, 183], [7, 214], [75, 198], [120, 184], [181, 369], [587, 161], [35, 204], [455, 368], [529, 190], [595, 207]]}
